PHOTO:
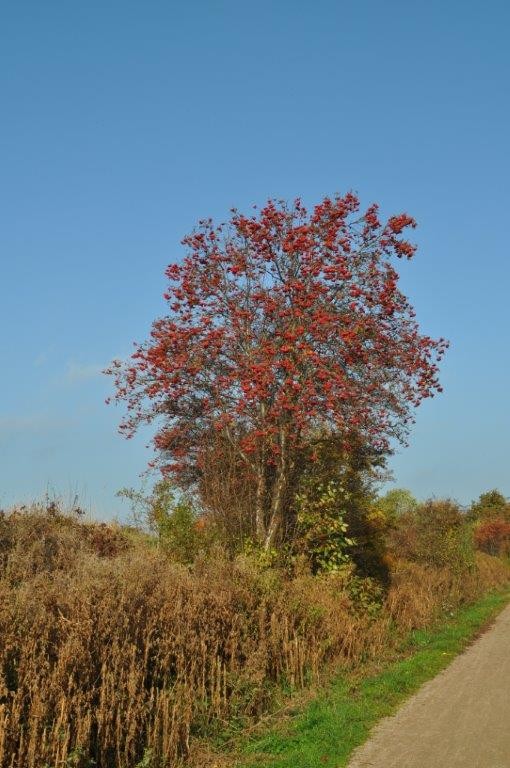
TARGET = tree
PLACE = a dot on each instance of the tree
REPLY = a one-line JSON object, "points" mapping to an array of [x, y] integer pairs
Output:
{"points": [[490, 506], [397, 502], [282, 327]]}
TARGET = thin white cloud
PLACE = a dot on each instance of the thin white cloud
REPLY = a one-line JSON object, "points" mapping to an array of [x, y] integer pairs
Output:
{"points": [[41, 359], [44, 356], [33, 423], [77, 372]]}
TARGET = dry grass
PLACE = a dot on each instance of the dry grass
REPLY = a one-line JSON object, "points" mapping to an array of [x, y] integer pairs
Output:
{"points": [[109, 651], [419, 594]]}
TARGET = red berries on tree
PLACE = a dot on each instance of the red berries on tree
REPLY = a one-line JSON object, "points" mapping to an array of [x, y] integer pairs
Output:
{"points": [[281, 326]]}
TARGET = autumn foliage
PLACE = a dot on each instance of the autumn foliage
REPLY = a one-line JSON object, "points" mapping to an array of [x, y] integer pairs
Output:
{"points": [[283, 328], [493, 537]]}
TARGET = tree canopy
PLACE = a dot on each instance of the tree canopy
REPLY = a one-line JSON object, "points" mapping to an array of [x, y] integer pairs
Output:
{"points": [[283, 327]]}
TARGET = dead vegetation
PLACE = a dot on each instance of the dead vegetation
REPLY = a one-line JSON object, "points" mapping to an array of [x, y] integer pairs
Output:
{"points": [[113, 655]]}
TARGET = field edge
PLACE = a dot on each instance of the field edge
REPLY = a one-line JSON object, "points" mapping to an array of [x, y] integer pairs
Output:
{"points": [[341, 717]]}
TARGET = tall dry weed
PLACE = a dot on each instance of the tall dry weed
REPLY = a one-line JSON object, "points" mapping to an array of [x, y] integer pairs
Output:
{"points": [[109, 651]]}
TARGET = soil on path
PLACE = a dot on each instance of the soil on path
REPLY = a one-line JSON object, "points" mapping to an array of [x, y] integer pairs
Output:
{"points": [[460, 719]]}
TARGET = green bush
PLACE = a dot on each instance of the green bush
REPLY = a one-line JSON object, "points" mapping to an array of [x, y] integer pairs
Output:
{"points": [[395, 503], [179, 529], [321, 528], [490, 506]]}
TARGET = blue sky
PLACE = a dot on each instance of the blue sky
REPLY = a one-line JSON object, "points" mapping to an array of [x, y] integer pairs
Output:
{"points": [[122, 123]]}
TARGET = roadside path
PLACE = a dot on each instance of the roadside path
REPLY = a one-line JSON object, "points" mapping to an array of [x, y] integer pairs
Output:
{"points": [[460, 719]]}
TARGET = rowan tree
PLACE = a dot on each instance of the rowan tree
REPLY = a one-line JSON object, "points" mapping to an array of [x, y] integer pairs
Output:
{"points": [[282, 327]]}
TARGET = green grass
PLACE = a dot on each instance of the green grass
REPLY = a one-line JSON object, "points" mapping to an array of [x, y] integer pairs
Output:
{"points": [[340, 719]]}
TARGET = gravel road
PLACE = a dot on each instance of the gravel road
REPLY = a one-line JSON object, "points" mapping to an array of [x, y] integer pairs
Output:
{"points": [[460, 719]]}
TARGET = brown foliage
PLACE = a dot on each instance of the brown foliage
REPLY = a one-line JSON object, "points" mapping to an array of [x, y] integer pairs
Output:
{"points": [[227, 492], [420, 593], [434, 534], [110, 649], [493, 536]]}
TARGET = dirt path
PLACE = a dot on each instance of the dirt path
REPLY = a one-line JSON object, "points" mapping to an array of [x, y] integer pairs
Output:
{"points": [[460, 719]]}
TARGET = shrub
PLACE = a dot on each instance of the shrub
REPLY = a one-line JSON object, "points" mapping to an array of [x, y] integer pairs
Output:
{"points": [[437, 534], [106, 540], [321, 530], [180, 530], [490, 506], [493, 537], [337, 488]]}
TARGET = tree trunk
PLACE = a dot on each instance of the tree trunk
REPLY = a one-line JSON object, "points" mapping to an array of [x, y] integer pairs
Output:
{"points": [[279, 491], [260, 528]]}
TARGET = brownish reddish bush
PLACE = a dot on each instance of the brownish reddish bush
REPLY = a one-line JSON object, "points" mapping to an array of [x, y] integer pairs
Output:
{"points": [[105, 540], [493, 537]]}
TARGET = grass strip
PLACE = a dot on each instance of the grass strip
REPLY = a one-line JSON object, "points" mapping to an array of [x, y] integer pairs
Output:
{"points": [[341, 717]]}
